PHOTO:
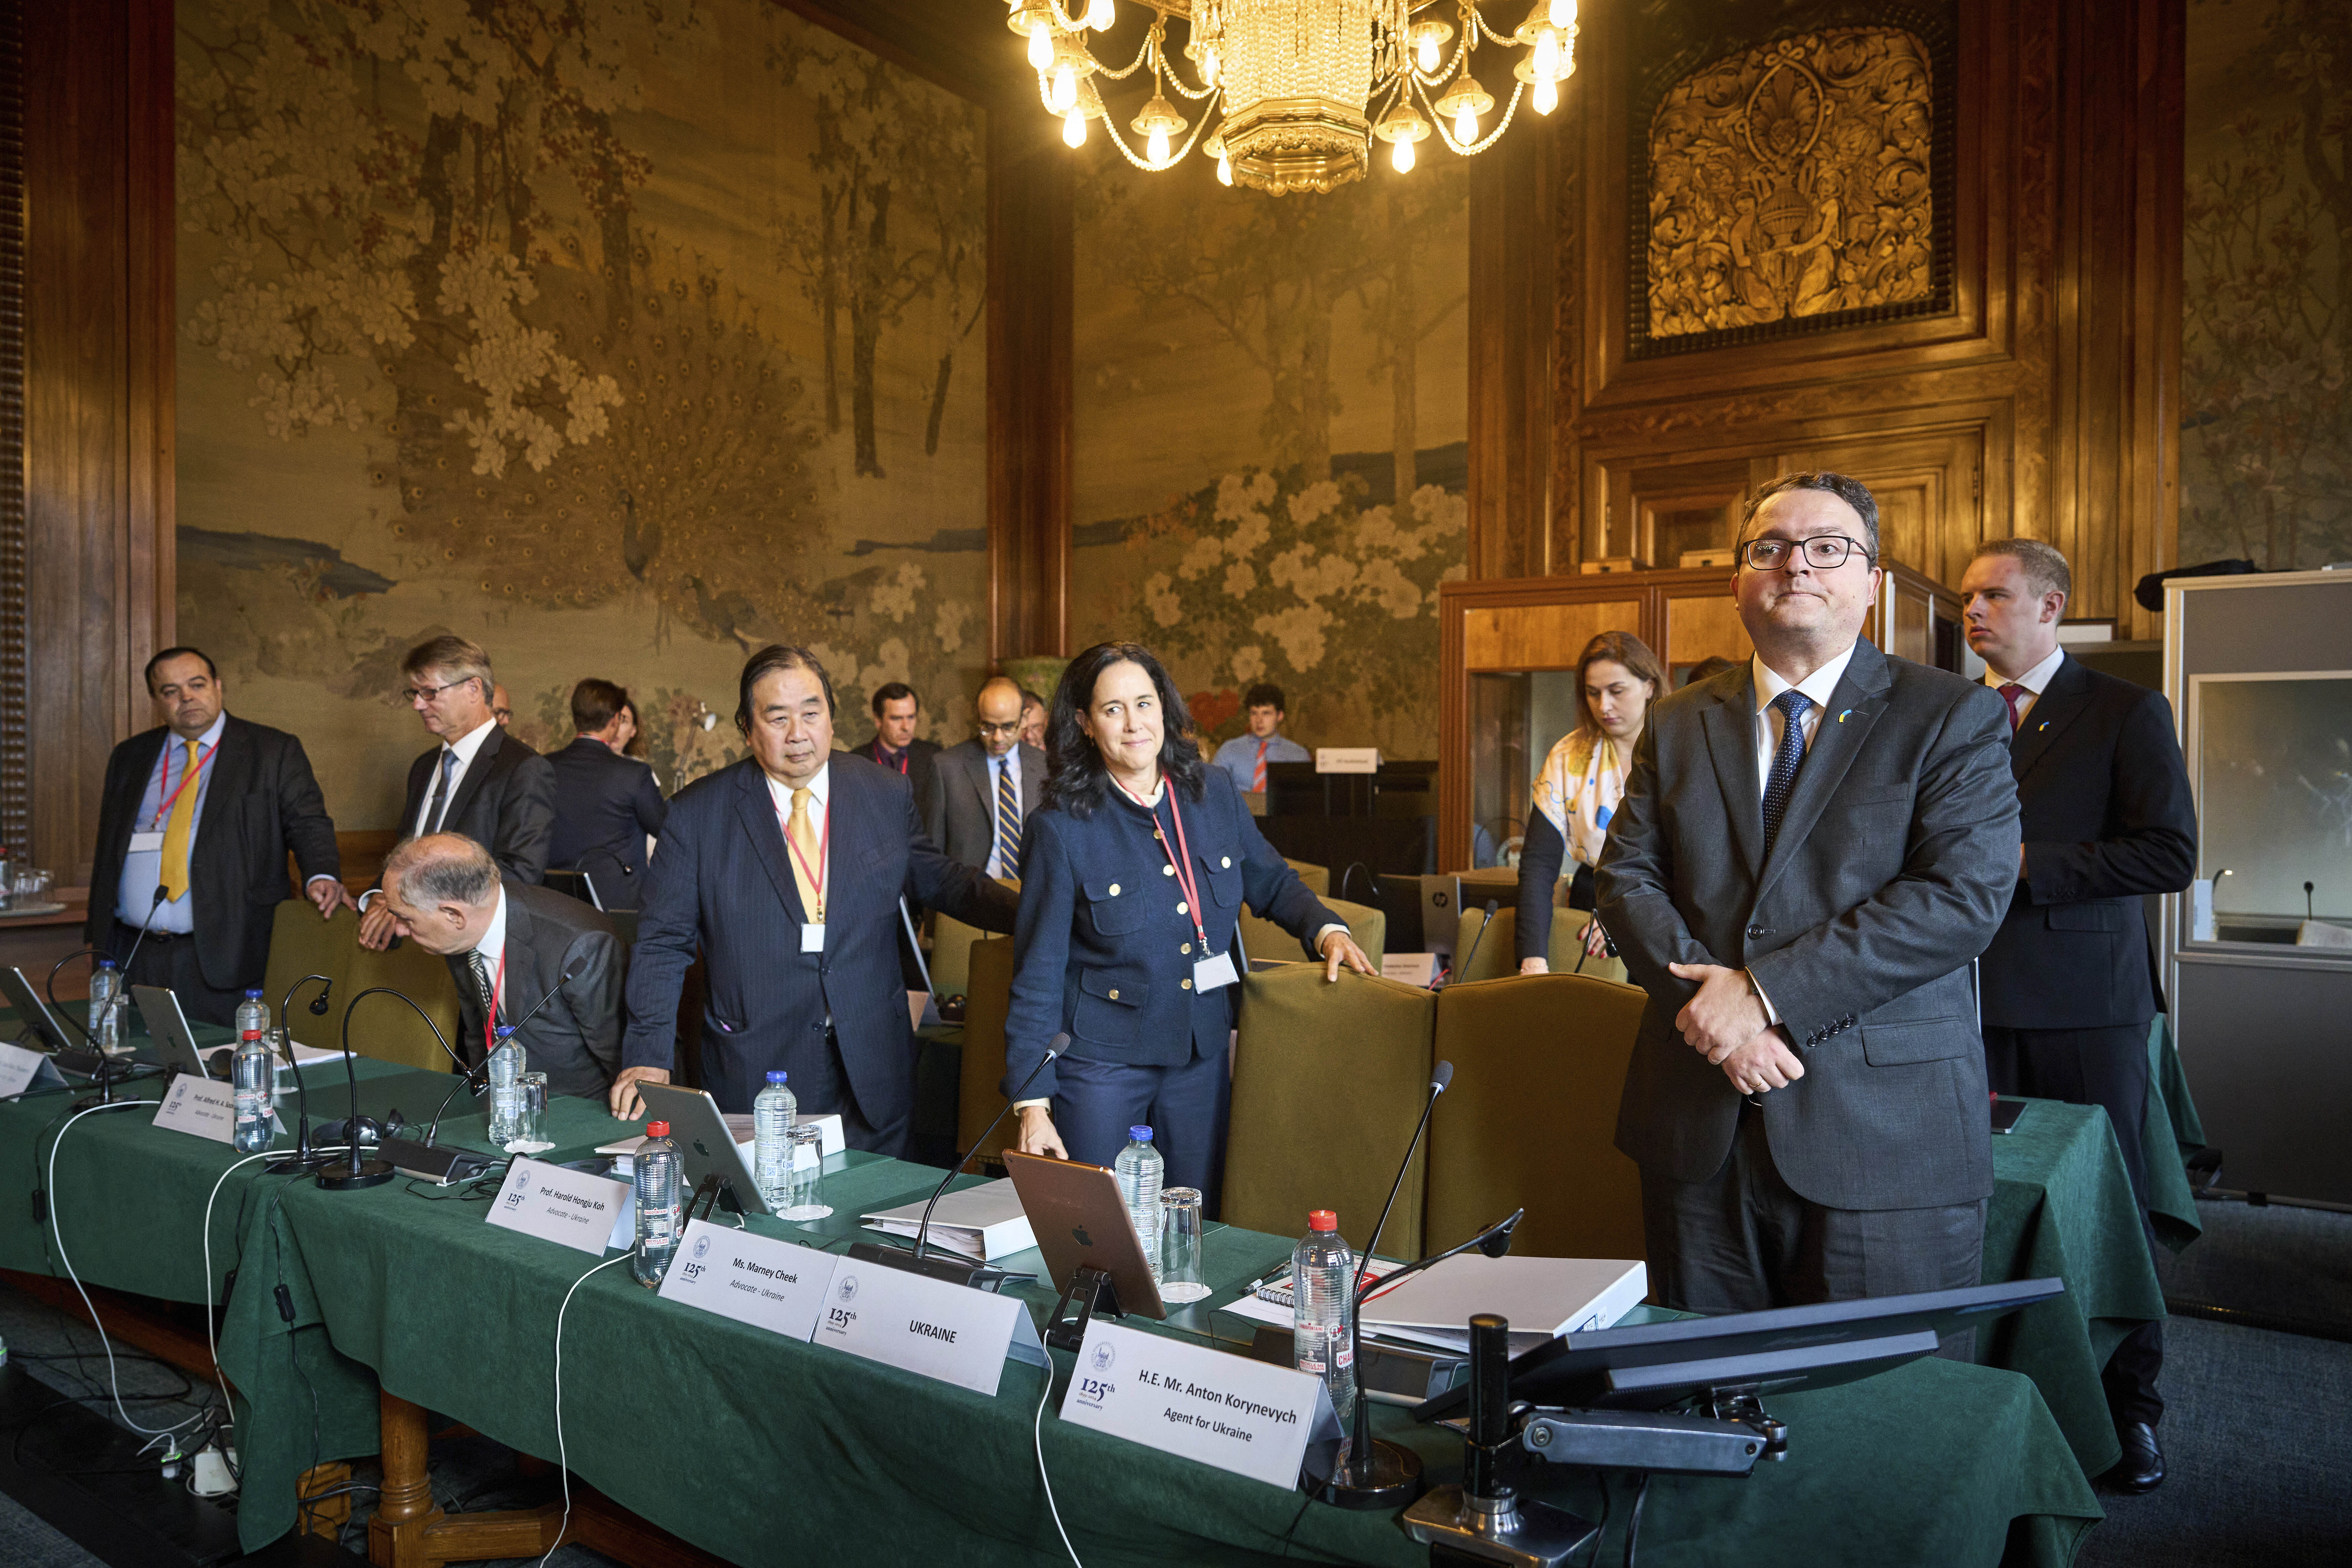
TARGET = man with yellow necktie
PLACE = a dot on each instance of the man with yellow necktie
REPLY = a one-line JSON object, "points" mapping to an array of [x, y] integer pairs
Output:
{"points": [[195, 822], [785, 871]]}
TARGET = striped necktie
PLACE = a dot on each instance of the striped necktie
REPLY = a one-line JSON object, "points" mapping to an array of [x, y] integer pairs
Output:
{"points": [[484, 986], [440, 807], [1793, 706], [1257, 779], [1008, 819]]}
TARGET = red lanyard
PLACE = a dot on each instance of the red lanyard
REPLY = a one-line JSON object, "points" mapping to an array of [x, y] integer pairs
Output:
{"points": [[197, 772], [824, 853], [1180, 856], [490, 1018]]}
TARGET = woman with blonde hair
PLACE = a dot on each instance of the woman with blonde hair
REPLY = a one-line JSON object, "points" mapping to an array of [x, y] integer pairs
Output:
{"points": [[1617, 679]]}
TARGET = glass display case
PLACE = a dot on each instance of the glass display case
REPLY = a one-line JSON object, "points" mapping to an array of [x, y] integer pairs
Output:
{"points": [[2273, 766]]}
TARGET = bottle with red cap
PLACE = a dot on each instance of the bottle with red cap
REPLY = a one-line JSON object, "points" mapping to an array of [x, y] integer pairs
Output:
{"points": [[656, 1174], [1322, 1272]]}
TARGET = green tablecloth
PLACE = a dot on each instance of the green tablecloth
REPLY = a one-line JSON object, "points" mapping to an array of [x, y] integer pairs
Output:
{"points": [[2170, 1132]]}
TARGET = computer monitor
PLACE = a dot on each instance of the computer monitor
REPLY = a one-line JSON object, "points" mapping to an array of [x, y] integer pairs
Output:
{"points": [[1657, 1367], [23, 996]]}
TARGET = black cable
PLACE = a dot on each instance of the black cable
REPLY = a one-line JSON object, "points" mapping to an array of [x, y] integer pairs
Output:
{"points": [[1634, 1521], [1600, 1535]]}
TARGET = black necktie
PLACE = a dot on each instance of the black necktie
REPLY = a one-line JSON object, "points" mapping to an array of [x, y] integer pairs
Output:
{"points": [[1793, 706], [484, 986]]}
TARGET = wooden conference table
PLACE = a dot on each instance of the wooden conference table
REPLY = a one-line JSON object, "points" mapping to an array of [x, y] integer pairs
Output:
{"points": [[399, 1298]]}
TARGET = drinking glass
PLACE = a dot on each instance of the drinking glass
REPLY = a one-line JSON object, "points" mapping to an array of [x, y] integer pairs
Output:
{"points": [[804, 1193], [1180, 1245], [530, 1116]]}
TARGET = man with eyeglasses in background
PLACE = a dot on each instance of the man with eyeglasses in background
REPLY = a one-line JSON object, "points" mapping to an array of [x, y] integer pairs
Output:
{"points": [[981, 791], [1811, 848], [479, 781]]}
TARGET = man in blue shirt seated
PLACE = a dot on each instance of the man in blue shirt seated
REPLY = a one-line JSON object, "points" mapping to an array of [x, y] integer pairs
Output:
{"points": [[1245, 756]]}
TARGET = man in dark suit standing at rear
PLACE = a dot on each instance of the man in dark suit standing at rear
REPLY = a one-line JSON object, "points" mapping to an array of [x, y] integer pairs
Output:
{"points": [[605, 804], [2069, 983], [984, 790], [479, 781], [896, 710], [785, 871], [1811, 848], [204, 811]]}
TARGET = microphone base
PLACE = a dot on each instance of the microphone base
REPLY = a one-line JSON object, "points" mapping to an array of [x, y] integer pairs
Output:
{"points": [[341, 1178], [1387, 1477], [434, 1164], [296, 1164], [955, 1270]]}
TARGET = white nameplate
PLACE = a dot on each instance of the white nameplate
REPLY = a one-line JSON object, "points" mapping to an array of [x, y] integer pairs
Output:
{"points": [[1347, 759], [204, 1106], [21, 1069], [753, 1278], [1251, 1417], [918, 1324], [557, 1205], [1416, 969]]}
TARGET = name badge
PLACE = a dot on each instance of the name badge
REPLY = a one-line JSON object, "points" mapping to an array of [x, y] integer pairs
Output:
{"points": [[1211, 973], [573, 1207], [812, 938], [205, 1107], [925, 1326], [146, 844], [21, 1069], [1251, 1417], [756, 1280]]}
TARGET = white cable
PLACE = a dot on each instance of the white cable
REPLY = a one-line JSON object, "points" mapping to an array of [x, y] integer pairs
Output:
{"points": [[562, 1457], [1038, 1432], [113, 1378], [212, 1340]]}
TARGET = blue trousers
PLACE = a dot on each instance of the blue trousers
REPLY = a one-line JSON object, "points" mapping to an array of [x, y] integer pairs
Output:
{"points": [[1185, 1106]]}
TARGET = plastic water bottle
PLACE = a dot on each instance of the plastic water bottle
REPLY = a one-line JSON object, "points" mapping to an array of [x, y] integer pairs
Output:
{"points": [[506, 1099], [1138, 1168], [253, 1013], [771, 1132], [655, 1171], [252, 1080], [1322, 1272], [106, 1004]]}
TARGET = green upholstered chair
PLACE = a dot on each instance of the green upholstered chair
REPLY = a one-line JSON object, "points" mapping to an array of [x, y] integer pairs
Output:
{"points": [[301, 944], [951, 955], [1497, 955], [1539, 1066], [1316, 878], [1329, 1079], [988, 1001]]}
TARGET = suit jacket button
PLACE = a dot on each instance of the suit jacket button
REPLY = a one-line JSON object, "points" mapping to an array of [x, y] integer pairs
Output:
{"points": [[1114, 889], [1755, 931], [1186, 984], [1226, 861], [1114, 992], [1167, 870], [1186, 948], [1182, 908]]}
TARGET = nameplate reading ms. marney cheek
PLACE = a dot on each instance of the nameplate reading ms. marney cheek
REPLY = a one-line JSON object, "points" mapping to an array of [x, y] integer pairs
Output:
{"points": [[918, 1324], [755, 1280], [1247, 1417], [205, 1107], [558, 1205]]}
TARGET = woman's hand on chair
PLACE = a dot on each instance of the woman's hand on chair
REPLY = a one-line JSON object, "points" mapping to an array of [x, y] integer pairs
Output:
{"points": [[1037, 1133], [1338, 947], [1535, 966]]}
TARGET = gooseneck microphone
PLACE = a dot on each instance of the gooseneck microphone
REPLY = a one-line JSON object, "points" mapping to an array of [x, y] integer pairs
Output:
{"points": [[1463, 968], [358, 1171], [436, 1165], [483, 1067], [1059, 1044], [301, 1159]]}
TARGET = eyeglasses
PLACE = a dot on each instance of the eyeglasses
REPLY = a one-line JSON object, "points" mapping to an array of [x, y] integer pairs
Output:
{"points": [[1823, 552], [428, 693], [988, 729]]}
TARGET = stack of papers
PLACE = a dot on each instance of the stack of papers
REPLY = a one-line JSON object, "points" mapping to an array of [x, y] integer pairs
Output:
{"points": [[982, 1222], [1550, 1296]]}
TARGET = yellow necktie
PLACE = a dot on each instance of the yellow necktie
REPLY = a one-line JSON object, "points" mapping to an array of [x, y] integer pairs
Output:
{"points": [[803, 840], [178, 831]]}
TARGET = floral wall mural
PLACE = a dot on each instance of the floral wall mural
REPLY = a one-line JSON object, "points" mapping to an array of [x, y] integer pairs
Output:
{"points": [[619, 337], [1272, 403], [2266, 449]]}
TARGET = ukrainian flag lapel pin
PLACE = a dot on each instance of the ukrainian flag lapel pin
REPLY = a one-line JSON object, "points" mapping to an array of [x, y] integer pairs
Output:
{"points": [[1842, 713], [2043, 725]]}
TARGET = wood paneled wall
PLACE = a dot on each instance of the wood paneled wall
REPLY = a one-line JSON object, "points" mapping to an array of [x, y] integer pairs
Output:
{"points": [[2044, 401]]}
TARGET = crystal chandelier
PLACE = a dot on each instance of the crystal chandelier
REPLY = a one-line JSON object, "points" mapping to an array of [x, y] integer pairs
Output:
{"points": [[1297, 89]]}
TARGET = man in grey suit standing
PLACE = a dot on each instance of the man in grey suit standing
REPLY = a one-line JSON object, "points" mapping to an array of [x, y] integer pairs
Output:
{"points": [[1811, 848], [981, 791]]}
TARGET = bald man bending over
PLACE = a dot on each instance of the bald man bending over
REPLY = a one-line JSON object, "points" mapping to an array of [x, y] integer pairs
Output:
{"points": [[982, 791], [508, 944]]}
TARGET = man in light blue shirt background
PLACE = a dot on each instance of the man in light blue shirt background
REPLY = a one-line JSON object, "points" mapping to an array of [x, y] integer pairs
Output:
{"points": [[1245, 757]]}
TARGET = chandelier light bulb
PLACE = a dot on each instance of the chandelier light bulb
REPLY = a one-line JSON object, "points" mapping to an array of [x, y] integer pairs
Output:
{"points": [[1563, 13], [1074, 129], [1157, 151], [1041, 47], [1225, 169], [1547, 56], [1465, 125], [1400, 153], [1425, 52], [1100, 16], [1547, 94], [1065, 96], [1209, 67]]}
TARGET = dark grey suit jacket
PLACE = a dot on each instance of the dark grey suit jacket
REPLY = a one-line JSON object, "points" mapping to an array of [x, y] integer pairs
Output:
{"points": [[605, 809], [575, 1039], [506, 803], [1894, 865], [960, 811]]}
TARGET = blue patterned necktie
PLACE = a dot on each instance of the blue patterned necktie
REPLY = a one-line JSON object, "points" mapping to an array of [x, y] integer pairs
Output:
{"points": [[1793, 706], [1008, 821]]}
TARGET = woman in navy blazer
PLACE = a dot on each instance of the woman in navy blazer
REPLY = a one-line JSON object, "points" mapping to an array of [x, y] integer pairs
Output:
{"points": [[1133, 874]]}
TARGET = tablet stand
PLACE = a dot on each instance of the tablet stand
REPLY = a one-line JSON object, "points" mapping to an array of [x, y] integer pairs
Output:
{"points": [[1089, 1291]]}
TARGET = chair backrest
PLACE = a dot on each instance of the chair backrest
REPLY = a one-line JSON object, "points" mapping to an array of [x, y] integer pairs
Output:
{"points": [[1368, 925], [1328, 1080], [1539, 1065], [301, 944], [1263, 939], [1497, 954], [951, 955], [1316, 878], [390, 1032], [988, 1001]]}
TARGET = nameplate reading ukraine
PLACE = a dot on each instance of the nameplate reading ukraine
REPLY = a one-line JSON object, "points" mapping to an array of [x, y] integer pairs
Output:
{"points": [[1251, 1417], [756, 1280], [558, 1205], [918, 1324], [205, 1107]]}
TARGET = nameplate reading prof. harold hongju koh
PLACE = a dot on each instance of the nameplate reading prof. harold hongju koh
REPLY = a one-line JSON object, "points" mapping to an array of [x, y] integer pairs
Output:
{"points": [[558, 1205]]}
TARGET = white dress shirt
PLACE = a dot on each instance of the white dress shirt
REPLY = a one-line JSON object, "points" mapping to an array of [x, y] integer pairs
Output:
{"points": [[466, 747], [135, 889], [2035, 680], [1770, 684], [820, 790], [1008, 765]]}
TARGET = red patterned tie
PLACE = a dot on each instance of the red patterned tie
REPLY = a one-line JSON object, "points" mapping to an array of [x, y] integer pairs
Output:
{"points": [[1257, 779], [2009, 694]]}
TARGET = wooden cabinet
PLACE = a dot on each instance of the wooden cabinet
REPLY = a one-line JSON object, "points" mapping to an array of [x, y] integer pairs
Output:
{"points": [[1499, 640]]}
